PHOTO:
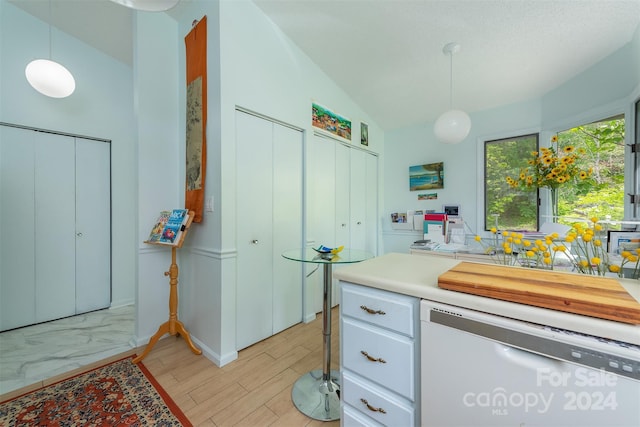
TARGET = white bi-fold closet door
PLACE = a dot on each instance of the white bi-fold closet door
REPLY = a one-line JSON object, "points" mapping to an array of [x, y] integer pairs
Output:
{"points": [[55, 226], [269, 183]]}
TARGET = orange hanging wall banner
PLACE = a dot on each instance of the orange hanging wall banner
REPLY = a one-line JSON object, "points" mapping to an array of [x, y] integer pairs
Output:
{"points": [[196, 156]]}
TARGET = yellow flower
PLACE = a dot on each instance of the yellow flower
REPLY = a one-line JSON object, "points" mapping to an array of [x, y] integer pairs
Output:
{"points": [[594, 219], [507, 250], [598, 227], [584, 263], [493, 230], [625, 254], [583, 175], [530, 254], [595, 260], [547, 260], [568, 149], [614, 268], [478, 238], [554, 138], [597, 243], [587, 237]]}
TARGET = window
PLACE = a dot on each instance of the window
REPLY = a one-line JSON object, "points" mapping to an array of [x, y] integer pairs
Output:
{"points": [[505, 207], [601, 148], [603, 145]]}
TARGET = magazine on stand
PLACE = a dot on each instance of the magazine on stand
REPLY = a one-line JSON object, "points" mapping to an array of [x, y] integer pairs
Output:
{"points": [[169, 227]]}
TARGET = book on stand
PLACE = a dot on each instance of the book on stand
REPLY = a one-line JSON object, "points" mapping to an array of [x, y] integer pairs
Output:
{"points": [[173, 224], [156, 231]]}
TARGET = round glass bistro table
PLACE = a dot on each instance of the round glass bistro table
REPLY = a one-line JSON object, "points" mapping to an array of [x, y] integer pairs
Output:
{"points": [[317, 393]]}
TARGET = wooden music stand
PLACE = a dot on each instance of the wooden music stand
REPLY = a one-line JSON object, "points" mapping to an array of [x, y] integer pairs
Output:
{"points": [[173, 326]]}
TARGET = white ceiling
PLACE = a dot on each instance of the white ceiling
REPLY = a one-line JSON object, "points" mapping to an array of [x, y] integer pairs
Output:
{"points": [[387, 54]]}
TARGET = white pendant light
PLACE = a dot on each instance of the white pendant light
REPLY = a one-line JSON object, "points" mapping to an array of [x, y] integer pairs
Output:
{"points": [[454, 125], [148, 5], [49, 77]]}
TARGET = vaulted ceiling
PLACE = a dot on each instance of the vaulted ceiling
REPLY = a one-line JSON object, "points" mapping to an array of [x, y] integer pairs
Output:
{"points": [[387, 54]]}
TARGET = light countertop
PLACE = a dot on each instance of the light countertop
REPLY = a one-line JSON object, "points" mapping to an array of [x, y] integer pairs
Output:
{"points": [[417, 275]]}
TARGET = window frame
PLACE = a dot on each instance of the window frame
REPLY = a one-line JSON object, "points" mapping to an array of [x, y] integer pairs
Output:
{"points": [[485, 143]]}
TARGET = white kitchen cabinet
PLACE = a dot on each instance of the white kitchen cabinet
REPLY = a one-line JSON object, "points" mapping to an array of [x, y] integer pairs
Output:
{"points": [[269, 222], [379, 357], [55, 226]]}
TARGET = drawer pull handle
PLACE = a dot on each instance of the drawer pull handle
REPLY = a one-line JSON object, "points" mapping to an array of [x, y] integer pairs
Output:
{"points": [[371, 358], [373, 408], [371, 311]]}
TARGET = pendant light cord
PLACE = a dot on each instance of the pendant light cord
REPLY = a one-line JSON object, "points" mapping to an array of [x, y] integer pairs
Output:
{"points": [[50, 42], [450, 80]]}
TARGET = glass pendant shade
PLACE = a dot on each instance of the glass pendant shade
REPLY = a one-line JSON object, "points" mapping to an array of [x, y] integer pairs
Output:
{"points": [[452, 127], [50, 78], [148, 5]]}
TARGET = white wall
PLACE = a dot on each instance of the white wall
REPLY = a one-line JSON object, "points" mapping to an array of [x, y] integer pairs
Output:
{"points": [[603, 90], [260, 70], [100, 107], [160, 160]]}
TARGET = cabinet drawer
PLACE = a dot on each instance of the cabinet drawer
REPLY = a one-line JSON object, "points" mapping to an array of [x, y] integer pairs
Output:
{"points": [[350, 417], [394, 364], [372, 401], [385, 309]]}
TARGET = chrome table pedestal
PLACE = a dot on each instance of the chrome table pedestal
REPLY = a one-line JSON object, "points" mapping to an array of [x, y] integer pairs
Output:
{"points": [[317, 393]]}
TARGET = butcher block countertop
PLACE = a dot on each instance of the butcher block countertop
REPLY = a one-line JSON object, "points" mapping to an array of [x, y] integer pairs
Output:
{"points": [[417, 275]]}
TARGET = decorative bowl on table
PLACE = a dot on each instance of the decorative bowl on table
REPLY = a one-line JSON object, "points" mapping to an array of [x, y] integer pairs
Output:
{"points": [[326, 250]]}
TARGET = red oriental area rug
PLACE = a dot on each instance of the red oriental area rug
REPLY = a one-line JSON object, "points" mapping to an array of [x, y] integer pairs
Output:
{"points": [[120, 393]]}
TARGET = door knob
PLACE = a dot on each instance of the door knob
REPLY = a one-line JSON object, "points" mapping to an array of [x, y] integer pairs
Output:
{"points": [[254, 242], [79, 234]]}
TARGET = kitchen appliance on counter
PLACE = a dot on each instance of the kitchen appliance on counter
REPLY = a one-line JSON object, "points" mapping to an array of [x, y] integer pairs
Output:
{"points": [[480, 369]]}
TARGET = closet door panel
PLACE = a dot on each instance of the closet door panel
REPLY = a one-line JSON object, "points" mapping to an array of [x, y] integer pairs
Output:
{"points": [[54, 174], [371, 204], [93, 225], [17, 237], [321, 206], [254, 292], [342, 194], [287, 226], [358, 197]]}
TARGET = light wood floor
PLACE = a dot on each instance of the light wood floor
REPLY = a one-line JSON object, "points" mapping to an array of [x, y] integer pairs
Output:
{"points": [[254, 390]]}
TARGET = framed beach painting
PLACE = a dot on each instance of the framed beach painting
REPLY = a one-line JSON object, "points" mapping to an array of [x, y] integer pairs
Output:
{"points": [[426, 177]]}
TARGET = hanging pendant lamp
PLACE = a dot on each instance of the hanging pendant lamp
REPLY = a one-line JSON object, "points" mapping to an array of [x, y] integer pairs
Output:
{"points": [[148, 5], [454, 125], [49, 77]]}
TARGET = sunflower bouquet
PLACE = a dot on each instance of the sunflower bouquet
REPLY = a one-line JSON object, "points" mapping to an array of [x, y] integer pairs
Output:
{"points": [[550, 168]]}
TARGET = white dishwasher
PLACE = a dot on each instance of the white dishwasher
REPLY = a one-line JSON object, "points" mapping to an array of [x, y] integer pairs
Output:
{"points": [[480, 369]]}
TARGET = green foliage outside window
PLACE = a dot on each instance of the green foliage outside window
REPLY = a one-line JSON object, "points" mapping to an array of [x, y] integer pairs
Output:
{"points": [[602, 150]]}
